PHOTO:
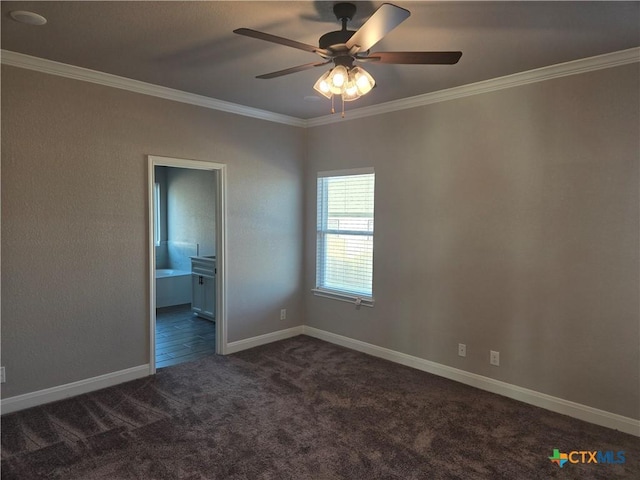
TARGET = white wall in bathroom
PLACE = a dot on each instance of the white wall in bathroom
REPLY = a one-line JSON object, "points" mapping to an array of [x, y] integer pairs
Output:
{"points": [[191, 214]]}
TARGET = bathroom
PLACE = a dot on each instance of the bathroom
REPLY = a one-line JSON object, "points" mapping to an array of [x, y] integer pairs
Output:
{"points": [[185, 250]]}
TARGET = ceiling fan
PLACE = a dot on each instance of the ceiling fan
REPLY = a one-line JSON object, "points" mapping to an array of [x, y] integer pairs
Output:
{"points": [[345, 47]]}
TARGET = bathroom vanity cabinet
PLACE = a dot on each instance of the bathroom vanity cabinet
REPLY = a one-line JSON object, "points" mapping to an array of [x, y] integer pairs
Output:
{"points": [[203, 282]]}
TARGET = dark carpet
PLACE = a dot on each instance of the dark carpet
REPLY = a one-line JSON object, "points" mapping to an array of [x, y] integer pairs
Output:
{"points": [[300, 409]]}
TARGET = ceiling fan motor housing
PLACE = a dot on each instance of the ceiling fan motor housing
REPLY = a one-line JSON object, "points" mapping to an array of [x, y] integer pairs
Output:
{"points": [[335, 42], [339, 37]]}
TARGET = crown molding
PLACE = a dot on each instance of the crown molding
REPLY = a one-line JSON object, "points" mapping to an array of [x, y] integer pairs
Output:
{"points": [[84, 74], [574, 67]]}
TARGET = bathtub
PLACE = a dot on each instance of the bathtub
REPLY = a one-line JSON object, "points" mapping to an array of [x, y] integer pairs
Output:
{"points": [[173, 287]]}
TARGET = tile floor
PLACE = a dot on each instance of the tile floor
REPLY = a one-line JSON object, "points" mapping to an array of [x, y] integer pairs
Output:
{"points": [[182, 337]]}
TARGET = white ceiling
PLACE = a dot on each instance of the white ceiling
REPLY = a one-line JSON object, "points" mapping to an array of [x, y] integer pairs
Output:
{"points": [[190, 46]]}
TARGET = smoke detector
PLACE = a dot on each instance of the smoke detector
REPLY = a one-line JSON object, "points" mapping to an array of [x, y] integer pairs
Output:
{"points": [[29, 18]]}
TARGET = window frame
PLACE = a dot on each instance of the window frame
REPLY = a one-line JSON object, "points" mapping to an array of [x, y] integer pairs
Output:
{"points": [[322, 228]]}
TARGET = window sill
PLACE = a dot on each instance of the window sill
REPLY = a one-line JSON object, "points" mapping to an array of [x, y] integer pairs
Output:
{"points": [[344, 297]]}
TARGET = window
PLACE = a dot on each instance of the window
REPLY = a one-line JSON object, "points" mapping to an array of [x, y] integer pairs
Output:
{"points": [[344, 257], [156, 210]]}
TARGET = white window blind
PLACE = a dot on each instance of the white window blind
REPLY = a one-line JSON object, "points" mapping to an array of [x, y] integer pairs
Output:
{"points": [[344, 262]]}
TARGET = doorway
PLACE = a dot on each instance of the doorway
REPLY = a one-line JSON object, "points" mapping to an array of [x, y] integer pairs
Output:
{"points": [[174, 304]]}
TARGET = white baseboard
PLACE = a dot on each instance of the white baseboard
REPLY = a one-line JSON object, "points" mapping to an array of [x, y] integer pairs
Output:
{"points": [[60, 392], [542, 400], [48, 395], [247, 343]]}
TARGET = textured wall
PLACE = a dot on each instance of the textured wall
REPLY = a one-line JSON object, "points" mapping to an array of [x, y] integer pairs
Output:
{"points": [[507, 221], [74, 222]]}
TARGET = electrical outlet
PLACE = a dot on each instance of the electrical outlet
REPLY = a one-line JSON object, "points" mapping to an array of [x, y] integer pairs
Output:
{"points": [[462, 350], [494, 358], [2, 378], [283, 314]]}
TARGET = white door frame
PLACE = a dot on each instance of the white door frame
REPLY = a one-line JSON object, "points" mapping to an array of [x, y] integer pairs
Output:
{"points": [[221, 236]]}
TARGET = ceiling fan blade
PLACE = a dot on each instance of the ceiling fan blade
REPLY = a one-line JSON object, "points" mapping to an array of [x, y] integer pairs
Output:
{"points": [[383, 20], [419, 58], [287, 71], [247, 32]]}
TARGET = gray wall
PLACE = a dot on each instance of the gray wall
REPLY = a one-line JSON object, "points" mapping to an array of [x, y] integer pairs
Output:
{"points": [[74, 222], [506, 221]]}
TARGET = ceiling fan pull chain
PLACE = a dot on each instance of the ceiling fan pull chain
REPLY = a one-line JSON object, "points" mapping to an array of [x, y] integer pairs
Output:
{"points": [[333, 110], [342, 106]]}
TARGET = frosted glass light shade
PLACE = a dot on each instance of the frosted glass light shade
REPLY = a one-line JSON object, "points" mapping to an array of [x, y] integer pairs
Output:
{"points": [[322, 85], [337, 79], [350, 90], [364, 81]]}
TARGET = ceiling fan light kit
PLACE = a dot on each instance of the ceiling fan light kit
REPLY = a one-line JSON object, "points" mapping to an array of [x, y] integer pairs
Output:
{"points": [[345, 47], [349, 84]]}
